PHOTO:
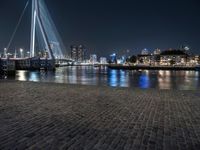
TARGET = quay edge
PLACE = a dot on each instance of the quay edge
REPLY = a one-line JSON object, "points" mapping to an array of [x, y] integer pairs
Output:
{"points": [[121, 67]]}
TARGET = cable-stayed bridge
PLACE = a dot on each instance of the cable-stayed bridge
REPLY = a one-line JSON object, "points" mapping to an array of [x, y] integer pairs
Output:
{"points": [[44, 31], [44, 38]]}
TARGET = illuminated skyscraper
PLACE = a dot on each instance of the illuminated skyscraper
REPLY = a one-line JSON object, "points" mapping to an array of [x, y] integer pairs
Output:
{"points": [[93, 58], [74, 52], [157, 51], [81, 53], [103, 60], [145, 52], [78, 53]]}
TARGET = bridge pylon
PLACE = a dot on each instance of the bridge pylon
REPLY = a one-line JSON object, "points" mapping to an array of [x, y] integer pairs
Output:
{"points": [[44, 31]]}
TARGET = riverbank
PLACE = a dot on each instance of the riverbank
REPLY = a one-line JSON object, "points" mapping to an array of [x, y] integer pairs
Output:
{"points": [[60, 116], [123, 67]]}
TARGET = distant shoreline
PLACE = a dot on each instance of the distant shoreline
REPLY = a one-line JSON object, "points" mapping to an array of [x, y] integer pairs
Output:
{"points": [[119, 67]]}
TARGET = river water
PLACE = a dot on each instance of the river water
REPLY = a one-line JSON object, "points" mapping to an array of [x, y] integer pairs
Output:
{"points": [[89, 75]]}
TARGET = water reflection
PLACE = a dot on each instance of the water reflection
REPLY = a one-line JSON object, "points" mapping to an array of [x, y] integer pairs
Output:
{"points": [[184, 80], [34, 76], [118, 78], [22, 76], [164, 79], [113, 78], [124, 79], [144, 81]]}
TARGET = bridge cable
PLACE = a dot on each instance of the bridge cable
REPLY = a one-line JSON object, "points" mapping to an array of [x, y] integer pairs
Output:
{"points": [[20, 19]]}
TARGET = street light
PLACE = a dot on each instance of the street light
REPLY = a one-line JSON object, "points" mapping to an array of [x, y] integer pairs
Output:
{"points": [[28, 54], [21, 52], [5, 52]]}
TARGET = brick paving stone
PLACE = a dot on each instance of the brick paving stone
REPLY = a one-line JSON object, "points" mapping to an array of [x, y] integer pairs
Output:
{"points": [[74, 117]]}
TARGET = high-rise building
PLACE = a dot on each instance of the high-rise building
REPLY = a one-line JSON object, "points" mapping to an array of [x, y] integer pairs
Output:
{"points": [[78, 53], [81, 53], [145, 52], [157, 51], [74, 52], [113, 58], [93, 58], [103, 60]]}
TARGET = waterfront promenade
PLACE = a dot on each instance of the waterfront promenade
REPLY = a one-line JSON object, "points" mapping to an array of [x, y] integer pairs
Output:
{"points": [[74, 117]]}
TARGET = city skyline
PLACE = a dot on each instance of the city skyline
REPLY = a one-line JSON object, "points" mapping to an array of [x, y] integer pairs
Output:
{"points": [[107, 27]]}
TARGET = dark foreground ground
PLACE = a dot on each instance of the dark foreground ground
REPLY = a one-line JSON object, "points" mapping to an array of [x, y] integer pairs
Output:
{"points": [[56, 116]]}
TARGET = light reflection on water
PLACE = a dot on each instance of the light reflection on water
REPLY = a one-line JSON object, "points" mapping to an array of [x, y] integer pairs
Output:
{"points": [[144, 81], [185, 80], [118, 78]]}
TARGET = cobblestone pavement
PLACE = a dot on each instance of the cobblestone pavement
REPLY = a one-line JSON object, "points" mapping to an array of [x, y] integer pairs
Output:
{"points": [[57, 116]]}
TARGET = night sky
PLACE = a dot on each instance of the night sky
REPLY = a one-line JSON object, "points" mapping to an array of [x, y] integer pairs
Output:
{"points": [[106, 26]]}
